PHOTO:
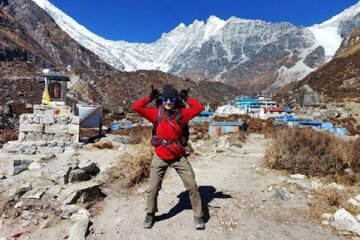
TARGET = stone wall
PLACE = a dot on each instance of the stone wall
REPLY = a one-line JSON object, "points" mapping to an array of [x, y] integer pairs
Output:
{"points": [[49, 130]]}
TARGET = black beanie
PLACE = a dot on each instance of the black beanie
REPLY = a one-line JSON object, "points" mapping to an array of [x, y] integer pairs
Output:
{"points": [[169, 92]]}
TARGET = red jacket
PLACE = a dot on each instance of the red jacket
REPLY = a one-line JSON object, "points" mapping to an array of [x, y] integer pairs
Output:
{"points": [[164, 129]]}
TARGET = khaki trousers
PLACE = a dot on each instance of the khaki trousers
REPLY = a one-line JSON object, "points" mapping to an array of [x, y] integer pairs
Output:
{"points": [[186, 173]]}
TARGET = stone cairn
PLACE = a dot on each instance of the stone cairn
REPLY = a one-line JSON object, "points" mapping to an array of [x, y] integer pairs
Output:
{"points": [[49, 130]]}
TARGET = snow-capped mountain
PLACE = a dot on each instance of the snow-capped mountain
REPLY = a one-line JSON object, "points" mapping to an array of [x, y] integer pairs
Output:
{"points": [[250, 54], [29, 38]]}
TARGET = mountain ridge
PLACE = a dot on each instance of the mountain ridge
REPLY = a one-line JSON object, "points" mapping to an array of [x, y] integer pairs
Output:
{"points": [[234, 51], [29, 38]]}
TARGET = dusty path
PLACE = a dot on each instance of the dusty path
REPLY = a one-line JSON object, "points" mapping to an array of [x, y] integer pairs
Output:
{"points": [[235, 189]]}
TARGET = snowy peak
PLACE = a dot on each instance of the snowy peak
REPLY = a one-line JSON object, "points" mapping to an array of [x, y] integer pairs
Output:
{"points": [[330, 33], [245, 53], [344, 15], [215, 21], [213, 26]]}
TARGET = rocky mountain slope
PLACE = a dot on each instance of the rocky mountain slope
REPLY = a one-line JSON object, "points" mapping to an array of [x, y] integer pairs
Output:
{"points": [[61, 47], [339, 78], [20, 58], [252, 55], [29, 37]]}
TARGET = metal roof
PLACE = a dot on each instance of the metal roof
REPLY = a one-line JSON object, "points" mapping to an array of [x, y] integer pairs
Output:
{"points": [[53, 75], [239, 123]]}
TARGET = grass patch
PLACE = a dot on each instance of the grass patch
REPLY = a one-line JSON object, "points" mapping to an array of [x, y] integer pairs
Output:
{"points": [[321, 154]]}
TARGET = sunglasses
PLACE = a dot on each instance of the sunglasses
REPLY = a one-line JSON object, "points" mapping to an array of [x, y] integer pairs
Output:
{"points": [[168, 100]]}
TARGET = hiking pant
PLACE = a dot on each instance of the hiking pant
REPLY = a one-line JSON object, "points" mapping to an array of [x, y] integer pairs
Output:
{"points": [[186, 173]]}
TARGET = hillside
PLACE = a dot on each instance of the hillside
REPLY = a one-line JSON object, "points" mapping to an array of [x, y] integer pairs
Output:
{"points": [[339, 79]]}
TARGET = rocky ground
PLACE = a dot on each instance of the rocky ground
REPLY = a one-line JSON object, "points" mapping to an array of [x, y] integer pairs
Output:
{"points": [[77, 193]]}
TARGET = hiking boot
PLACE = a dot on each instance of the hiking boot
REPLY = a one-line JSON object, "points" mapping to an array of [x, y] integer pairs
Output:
{"points": [[199, 223], [149, 220]]}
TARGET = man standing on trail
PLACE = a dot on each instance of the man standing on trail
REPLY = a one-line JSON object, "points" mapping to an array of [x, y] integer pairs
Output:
{"points": [[169, 120]]}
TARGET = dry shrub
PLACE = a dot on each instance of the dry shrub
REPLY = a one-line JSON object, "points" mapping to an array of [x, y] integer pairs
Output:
{"points": [[334, 198], [349, 123], [137, 134], [7, 135], [261, 126], [230, 118], [306, 151], [103, 144], [326, 201], [255, 125], [199, 132], [237, 138], [132, 169]]}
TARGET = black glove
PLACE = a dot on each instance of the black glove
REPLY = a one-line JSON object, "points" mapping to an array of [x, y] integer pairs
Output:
{"points": [[154, 93], [184, 94]]}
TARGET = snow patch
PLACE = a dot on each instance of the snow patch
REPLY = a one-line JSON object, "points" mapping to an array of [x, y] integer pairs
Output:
{"points": [[213, 25], [328, 37]]}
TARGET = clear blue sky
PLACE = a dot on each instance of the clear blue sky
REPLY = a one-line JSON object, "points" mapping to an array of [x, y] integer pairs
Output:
{"points": [[146, 20]]}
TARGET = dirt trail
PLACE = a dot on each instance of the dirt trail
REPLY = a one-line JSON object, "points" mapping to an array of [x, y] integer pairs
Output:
{"points": [[238, 202]]}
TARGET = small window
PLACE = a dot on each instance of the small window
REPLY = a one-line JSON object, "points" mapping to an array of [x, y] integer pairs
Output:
{"points": [[55, 89]]}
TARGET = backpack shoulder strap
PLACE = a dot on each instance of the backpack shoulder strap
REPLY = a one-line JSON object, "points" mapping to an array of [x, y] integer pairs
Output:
{"points": [[179, 118], [158, 120]]}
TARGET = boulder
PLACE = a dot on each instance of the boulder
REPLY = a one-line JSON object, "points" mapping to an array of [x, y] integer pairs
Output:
{"points": [[80, 192], [343, 220], [326, 216], [34, 193], [354, 202], [68, 210], [20, 166], [53, 191], [45, 224], [34, 166], [27, 215], [62, 177], [283, 194], [78, 175], [79, 229], [76, 171], [298, 176], [16, 192], [88, 166], [357, 198], [301, 184]]}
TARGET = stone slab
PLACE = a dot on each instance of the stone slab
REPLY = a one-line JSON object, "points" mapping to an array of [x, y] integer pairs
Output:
{"points": [[31, 128], [56, 128], [73, 129]]}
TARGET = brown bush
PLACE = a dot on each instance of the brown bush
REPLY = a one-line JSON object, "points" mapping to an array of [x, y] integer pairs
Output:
{"points": [[237, 138], [103, 144], [261, 126], [334, 198], [349, 123], [133, 168], [306, 151], [131, 171], [255, 125], [138, 134]]}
